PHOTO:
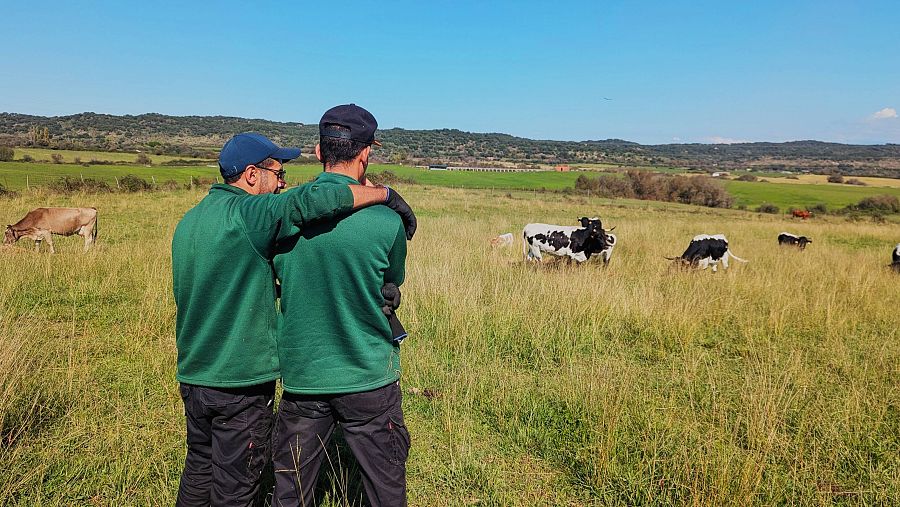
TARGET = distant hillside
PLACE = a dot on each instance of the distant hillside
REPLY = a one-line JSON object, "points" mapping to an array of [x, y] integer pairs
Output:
{"points": [[204, 135]]}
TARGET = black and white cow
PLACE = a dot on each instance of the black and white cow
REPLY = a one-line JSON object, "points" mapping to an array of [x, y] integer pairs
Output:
{"points": [[895, 258], [577, 243], [706, 250], [786, 238]]}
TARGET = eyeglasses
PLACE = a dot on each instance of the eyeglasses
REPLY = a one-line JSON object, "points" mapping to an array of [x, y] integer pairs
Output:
{"points": [[279, 173]]}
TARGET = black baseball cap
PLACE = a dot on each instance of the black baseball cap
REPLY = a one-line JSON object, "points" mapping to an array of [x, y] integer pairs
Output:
{"points": [[361, 123]]}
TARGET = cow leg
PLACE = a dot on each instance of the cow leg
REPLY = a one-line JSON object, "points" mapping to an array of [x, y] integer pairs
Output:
{"points": [[47, 236], [725, 261], [86, 233], [37, 244]]}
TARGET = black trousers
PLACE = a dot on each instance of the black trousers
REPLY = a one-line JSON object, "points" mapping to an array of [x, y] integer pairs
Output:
{"points": [[228, 437], [372, 423]]}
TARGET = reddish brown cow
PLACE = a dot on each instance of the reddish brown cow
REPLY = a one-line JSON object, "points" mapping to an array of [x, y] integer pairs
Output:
{"points": [[801, 213], [40, 223]]}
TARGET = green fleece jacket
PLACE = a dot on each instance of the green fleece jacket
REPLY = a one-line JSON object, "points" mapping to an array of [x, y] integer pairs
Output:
{"points": [[334, 337], [224, 284]]}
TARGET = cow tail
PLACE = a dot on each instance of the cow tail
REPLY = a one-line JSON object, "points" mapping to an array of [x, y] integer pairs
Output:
{"points": [[96, 229], [735, 257], [524, 246]]}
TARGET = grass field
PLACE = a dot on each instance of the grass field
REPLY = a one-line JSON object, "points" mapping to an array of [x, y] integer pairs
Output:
{"points": [[18, 175], [774, 383]]}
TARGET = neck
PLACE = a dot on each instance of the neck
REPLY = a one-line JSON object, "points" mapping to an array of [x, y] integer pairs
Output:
{"points": [[345, 168], [244, 186]]}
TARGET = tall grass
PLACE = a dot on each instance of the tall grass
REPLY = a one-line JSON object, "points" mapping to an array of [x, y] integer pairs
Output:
{"points": [[772, 383]]}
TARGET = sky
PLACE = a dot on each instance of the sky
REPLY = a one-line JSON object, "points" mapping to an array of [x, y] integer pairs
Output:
{"points": [[649, 72]]}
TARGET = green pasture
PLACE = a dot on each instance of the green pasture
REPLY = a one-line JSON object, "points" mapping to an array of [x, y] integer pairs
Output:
{"points": [[19, 175], [69, 156], [784, 195]]}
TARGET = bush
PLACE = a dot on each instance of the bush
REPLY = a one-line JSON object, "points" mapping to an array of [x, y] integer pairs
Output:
{"points": [[143, 159], [818, 208], [68, 185], [768, 207], [388, 178], [877, 204], [27, 158], [132, 183], [7, 154], [7, 193], [77, 160], [698, 190], [854, 181], [57, 158], [170, 185], [747, 177], [835, 178]]}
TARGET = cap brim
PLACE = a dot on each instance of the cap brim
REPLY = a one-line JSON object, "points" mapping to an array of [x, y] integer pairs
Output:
{"points": [[282, 154]]}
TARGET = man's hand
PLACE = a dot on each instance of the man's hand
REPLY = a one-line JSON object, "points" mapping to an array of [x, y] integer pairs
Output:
{"points": [[391, 294], [396, 203]]}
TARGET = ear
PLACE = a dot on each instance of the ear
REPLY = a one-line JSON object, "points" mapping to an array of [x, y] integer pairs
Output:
{"points": [[584, 221], [318, 153], [251, 175]]}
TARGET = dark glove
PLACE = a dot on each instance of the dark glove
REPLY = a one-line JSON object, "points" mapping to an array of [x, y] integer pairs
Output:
{"points": [[391, 295], [396, 203]]}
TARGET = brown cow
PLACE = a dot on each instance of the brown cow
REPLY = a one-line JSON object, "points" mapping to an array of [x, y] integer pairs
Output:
{"points": [[801, 213], [40, 223]]}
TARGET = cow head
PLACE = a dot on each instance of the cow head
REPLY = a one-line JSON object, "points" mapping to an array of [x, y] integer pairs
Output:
{"points": [[10, 236], [594, 228]]}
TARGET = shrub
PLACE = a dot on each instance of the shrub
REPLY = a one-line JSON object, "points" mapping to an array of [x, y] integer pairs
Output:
{"points": [[7, 193], [768, 207], [143, 159], [818, 208], [132, 183], [170, 185], [835, 178], [77, 160], [855, 181], [388, 178], [878, 203], [604, 186], [57, 158], [68, 185], [699, 190], [7, 154], [747, 177], [27, 158]]}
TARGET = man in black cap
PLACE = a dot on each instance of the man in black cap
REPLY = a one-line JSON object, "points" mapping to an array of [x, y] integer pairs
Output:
{"points": [[340, 362], [224, 291]]}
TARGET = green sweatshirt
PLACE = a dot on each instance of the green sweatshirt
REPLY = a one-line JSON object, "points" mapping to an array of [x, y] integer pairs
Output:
{"points": [[223, 280], [334, 337]]}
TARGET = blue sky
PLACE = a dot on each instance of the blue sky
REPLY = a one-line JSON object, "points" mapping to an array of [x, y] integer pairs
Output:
{"points": [[650, 72]]}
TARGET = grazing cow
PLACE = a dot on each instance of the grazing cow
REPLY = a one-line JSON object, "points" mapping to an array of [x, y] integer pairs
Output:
{"points": [[786, 238], [706, 250], [574, 242], [505, 239], [895, 258], [801, 213], [40, 223]]}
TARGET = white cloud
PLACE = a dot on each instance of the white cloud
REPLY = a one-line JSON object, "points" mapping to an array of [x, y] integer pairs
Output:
{"points": [[724, 140], [888, 112]]}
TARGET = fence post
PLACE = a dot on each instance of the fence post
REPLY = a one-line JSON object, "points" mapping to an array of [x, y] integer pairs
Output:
{"points": [[27, 186], [154, 179], [117, 182], [82, 177]]}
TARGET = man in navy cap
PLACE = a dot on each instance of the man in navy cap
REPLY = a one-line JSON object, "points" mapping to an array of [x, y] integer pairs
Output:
{"points": [[340, 360], [225, 328]]}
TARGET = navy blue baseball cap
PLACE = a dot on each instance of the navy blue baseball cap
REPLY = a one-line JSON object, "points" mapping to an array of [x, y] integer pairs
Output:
{"points": [[250, 148], [361, 123]]}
